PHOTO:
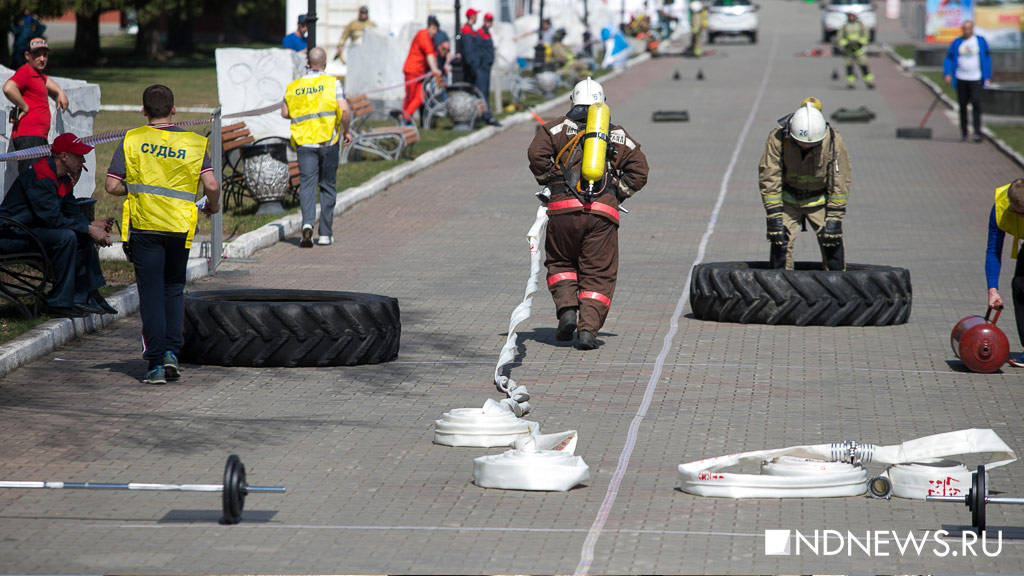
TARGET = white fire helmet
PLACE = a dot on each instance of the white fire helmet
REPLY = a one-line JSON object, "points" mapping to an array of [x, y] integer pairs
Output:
{"points": [[807, 124], [696, 6], [587, 92]]}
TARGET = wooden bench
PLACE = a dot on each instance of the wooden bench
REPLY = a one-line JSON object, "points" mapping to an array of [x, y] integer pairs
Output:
{"points": [[24, 274], [233, 138], [391, 141]]}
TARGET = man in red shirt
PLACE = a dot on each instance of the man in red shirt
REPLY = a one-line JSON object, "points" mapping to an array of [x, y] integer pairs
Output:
{"points": [[28, 90], [422, 59]]}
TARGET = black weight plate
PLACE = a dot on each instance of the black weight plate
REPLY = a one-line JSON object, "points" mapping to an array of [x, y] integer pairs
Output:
{"points": [[979, 503], [232, 494], [914, 133], [972, 499], [670, 116]]}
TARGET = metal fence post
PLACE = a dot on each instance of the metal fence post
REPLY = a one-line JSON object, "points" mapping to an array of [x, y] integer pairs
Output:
{"points": [[216, 222]]}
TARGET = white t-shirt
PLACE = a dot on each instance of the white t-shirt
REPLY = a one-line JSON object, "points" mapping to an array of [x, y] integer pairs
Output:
{"points": [[968, 62]]}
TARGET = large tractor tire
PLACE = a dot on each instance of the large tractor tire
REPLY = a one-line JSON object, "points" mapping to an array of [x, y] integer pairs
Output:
{"points": [[751, 293], [290, 328]]}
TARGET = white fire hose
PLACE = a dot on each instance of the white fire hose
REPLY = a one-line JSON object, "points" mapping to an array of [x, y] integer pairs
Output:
{"points": [[916, 468], [535, 462]]}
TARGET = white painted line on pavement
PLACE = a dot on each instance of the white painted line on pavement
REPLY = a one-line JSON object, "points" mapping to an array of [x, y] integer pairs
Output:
{"points": [[420, 529], [587, 554], [698, 365]]}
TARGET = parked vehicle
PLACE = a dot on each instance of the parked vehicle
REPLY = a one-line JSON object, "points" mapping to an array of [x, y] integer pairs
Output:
{"points": [[834, 12], [732, 18]]}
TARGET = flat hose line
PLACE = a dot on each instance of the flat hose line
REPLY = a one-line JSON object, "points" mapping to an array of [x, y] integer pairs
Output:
{"points": [[587, 552], [916, 468]]}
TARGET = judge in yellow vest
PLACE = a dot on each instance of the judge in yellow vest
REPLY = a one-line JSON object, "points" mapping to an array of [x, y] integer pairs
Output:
{"points": [[320, 117], [1007, 219], [159, 168]]}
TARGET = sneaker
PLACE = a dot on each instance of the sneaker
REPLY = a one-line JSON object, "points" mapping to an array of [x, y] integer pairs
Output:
{"points": [[325, 240], [62, 312], [566, 325], [978, 138], [89, 308], [171, 366], [1017, 362], [156, 375], [587, 341], [307, 236]]}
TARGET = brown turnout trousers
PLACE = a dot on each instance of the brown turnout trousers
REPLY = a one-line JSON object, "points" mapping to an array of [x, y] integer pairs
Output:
{"points": [[583, 264]]}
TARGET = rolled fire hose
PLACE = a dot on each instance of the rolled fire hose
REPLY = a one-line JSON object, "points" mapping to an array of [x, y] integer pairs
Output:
{"points": [[487, 427], [546, 462], [836, 469]]}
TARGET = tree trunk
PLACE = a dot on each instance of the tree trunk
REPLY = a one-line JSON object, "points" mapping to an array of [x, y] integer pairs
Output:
{"points": [[179, 36], [87, 39], [147, 41]]}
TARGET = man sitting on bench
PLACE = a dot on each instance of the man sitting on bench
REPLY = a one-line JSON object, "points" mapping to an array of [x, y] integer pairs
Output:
{"points": [[41, 199]]}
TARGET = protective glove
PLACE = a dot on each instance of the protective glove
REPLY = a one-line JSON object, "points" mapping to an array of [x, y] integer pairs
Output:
{"points": [[853, 46], [831, 234], [777, 233], [544, 195]]}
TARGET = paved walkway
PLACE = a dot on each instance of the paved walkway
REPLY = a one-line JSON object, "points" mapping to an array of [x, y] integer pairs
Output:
{"points": [[367, 490]]}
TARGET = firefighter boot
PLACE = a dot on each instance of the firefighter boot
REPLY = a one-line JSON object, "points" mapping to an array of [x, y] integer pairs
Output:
{"points": [[587, 341], [566, 325], [869, 80]]}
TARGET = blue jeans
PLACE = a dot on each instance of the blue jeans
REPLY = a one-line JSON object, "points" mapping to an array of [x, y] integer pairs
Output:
{"points": [[318, 168], [160, 264]]}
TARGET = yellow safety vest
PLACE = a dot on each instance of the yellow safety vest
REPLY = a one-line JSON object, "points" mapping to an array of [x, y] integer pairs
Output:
{"points": [[313, 106], [162, 177], [1008, 220]]}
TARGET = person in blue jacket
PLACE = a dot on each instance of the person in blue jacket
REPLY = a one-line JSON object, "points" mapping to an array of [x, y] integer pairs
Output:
{"points": [[968, 66], [1007, 217]]}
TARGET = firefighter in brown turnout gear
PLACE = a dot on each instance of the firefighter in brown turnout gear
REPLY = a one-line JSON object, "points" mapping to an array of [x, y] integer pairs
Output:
{"points": [[583, 193], [804, 176]]}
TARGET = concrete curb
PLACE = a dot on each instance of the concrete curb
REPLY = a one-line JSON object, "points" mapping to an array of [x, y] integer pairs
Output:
{"points": [[908, 66], [55, 333]]}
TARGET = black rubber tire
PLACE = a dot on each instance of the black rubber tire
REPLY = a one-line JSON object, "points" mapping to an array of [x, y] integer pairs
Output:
{"points": [[751, 293], [914, 133], [290, 328], [862, 114]]}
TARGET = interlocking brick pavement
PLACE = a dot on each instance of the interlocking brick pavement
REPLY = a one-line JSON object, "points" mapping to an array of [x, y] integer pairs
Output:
{"points": [[367, 490]]}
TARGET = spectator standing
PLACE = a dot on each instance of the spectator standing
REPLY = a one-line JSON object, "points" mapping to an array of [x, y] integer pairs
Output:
{"points": [[297, 40], [41, 198], [443, 47], [483, 56], [25, 28], [1007, 217], [159, 167], [320, 114], [28, 89], [354, 31], [804, 174], [853, 37], [467, 47], [422, 59], [968, 66], [582, 243]]}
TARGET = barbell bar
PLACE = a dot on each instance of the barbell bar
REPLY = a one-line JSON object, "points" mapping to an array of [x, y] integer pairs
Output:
{"points": [[233, 490], [976, 499]]}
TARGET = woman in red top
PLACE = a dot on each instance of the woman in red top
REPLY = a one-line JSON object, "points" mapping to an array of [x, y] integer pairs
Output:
{"points": [[28, 90], [422, 59]]}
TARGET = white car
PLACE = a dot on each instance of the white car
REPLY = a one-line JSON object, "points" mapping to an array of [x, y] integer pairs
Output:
{"points": [[732, 18], [834, 13]]}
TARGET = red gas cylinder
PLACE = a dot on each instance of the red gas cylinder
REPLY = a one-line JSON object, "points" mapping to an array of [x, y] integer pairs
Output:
{"points": [[980, 344]]}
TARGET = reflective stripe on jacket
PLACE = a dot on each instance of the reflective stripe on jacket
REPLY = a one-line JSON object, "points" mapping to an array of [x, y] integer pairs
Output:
{"points": [[1008, 220], [162, 177], [313, 106], [788, 174]]}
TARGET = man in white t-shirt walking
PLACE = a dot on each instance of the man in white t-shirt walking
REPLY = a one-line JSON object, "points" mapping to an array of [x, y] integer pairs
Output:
{"points": [[968, 66]]}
